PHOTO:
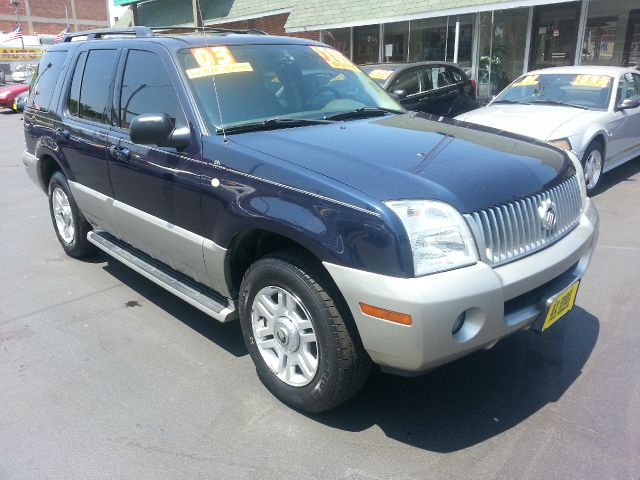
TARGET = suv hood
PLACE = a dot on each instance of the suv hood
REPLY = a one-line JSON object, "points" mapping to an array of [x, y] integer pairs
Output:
{"points": [[419, 157], [537, 121]]}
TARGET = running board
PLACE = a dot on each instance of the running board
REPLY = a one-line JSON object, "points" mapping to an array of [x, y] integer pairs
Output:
{"points": [[203, 298]]}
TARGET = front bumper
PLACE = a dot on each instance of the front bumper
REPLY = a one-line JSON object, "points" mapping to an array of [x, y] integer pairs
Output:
{"points": [[497, 301]]}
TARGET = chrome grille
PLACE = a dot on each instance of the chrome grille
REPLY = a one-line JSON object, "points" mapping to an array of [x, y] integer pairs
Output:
{"points": [[512, 230]]}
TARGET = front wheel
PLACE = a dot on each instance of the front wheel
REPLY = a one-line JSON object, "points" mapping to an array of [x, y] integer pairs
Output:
{"points": [[304, 350], [592, 161]]}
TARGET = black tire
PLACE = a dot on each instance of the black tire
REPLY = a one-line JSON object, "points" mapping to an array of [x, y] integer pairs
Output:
{"points": [[594, 146], [78, 246], [343, 364]]}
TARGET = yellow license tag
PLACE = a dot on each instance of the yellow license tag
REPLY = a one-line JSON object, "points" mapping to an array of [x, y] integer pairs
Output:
{"points": [[561, 305]]}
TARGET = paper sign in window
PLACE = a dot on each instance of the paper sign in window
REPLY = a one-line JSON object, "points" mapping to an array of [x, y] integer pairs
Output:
{"points": [[215, 61], [599, 81], [334, 58]]}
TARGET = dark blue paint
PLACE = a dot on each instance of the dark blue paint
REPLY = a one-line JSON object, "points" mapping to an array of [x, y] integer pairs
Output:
{"points": [[322, 186]]}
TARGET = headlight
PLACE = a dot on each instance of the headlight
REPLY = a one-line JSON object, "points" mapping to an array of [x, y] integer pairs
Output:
{"points": [[562, 143], [4, 95], [439, 236]]}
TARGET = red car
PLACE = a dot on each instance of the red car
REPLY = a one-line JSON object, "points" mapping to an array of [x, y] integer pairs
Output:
{"points": [[10, 92]]}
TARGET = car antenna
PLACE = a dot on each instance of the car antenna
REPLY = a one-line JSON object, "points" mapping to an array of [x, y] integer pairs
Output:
{"points": [[213, 77]]}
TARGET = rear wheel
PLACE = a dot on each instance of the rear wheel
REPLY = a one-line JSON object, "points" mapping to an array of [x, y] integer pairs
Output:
{"points": [[304, 350], [70, 225], [592, 161]]}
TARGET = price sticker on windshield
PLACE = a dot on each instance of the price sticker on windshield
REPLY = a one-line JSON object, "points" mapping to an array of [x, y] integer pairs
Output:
{"points": [[599, 81], [215, 61], [380, 74], [528, 80], [334, 58]]}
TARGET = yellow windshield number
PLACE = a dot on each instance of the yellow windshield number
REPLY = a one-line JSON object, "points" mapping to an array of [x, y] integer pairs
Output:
{"points": [[598, 81], [215, 61], [334, 58], [380, 74]]}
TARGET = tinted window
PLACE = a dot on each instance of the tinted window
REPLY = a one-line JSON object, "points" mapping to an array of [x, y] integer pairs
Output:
{"points": [[455, 75], [408, 81], [439, 77], [46, 78], [147, 88], [94, 91], [76, 82]]}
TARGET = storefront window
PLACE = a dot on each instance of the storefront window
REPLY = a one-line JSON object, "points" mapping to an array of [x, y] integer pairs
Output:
{"points": [[612, 33], [338, 38], [435, 39], [366, 44], [396, 42], [465, 39], [554, 35], [428, 39], [503, 35]]}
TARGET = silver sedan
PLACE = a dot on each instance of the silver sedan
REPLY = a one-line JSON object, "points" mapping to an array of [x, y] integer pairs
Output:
{"points": [[592, 111]]}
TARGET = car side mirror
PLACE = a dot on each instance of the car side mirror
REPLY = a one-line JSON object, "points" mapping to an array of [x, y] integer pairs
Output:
{"points": [[158, 129], [628, 103], [399, 93]]}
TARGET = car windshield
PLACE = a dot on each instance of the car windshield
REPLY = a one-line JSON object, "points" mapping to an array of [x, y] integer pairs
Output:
{"points": [[563, 89], [258, 83]]}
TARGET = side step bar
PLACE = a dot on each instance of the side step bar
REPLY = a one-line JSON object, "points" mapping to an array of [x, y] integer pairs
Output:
{"points": [[203, 298]]}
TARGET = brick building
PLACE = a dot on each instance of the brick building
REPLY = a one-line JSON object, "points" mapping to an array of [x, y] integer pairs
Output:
{"points": [[47, 17]]}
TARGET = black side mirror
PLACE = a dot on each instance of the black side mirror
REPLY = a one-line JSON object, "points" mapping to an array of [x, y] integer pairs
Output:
{"points": [[399, 93], [158, 129], [628, 103]]}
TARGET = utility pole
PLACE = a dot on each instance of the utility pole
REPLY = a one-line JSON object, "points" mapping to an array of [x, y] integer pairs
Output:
{"points": [[16, 3]]}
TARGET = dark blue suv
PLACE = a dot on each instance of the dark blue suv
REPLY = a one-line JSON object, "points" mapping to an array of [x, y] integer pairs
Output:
{"points": [[269, 179]]}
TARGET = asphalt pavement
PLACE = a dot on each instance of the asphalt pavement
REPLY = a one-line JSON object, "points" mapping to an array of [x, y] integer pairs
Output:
{"points": [[104, 375]]}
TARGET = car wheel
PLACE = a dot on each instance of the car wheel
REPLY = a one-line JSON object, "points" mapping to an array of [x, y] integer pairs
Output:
{"points": [[592, 161], [70, 225], [299, 334]]}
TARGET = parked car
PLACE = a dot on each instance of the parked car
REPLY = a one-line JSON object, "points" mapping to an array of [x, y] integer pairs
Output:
{"points": [[439, 88], [592, 111], [22, 72], [19, 101], [10, 92], [338, 228]]}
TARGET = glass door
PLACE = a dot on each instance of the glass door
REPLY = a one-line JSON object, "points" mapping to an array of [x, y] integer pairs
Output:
{"points": [[554, 35], [503, 38], [366, 44]]}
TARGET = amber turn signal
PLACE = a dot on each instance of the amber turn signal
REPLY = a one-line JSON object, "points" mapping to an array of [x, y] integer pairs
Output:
{"points": [[384, 314]]}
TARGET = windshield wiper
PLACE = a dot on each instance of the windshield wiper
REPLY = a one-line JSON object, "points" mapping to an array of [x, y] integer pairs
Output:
{"points": [[362, 112], [558, 102], [272, 124], [511, 101]]}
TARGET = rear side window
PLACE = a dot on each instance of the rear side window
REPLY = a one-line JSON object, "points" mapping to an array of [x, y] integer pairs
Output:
{"points": [[439, 77], [46, 78], [90, 89], [147, 88], [455, 75]]}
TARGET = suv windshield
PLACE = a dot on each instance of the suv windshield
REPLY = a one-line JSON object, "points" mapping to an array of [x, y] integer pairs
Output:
{"points": [[256, 83], [574, 90]]}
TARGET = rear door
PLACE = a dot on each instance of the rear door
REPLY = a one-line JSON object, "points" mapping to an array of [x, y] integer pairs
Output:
{"points": [[444, 90], [82, 137], [156, 189]]}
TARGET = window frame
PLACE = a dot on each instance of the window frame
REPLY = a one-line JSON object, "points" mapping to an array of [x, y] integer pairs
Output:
{"points": [[65, 109]]}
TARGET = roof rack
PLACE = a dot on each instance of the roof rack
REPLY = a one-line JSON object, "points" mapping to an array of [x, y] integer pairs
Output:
{"points": [[245, 31], [101, 32], [145, 32]]}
